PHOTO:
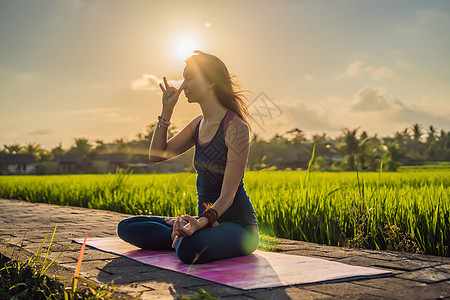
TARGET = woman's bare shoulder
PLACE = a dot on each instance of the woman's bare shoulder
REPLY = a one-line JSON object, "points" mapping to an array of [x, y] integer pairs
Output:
{"points": [[237, 130], [194, 123], [237, 123]]}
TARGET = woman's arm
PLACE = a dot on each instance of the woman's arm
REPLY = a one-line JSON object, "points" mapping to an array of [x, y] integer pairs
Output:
{"points": [[161, 149], [159, 138]]}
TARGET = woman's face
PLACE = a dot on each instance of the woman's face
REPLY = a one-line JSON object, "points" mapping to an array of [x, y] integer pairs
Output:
{"points": [[196, 87]]}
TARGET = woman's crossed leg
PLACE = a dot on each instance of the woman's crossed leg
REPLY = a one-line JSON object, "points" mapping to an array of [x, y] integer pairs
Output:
{"points": [[210, 243], [218, 242], [146, 232]]}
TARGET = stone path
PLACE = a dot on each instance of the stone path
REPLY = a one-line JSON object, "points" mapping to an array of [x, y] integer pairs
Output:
{"points": [[415, 276]]}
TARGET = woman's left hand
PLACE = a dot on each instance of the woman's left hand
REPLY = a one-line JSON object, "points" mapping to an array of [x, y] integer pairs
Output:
{"points": [[186, 230]]}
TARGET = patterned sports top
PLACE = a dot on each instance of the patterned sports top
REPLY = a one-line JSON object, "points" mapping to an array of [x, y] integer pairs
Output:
{"points": [[209, 161]]}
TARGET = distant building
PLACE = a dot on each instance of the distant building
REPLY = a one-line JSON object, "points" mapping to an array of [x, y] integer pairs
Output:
{"points": [[105, 163], [335, 158], [137, 162], [70, 163], [17, 164], [109, 162]]}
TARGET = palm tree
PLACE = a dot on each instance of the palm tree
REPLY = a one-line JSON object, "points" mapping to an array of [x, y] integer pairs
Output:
{"points": [[443, 138], [405, 132], [300, 145], [298, 135], [364, 151], [394, 156], [121, 145], [98, 148], [35, 150], [431, 135], [140, 136], [57, 151], [257, 152], [417, 134], [276, 149], [32, 148], [13, 149], [100, 144], [417, 131], [81, 148], [321, 142], [351, 146]]}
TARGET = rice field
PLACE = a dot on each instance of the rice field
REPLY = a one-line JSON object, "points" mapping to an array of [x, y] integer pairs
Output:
{"points": [[404, 211]]}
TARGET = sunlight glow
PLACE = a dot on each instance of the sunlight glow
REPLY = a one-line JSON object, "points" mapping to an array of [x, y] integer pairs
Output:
{"points": [[186, 46]]}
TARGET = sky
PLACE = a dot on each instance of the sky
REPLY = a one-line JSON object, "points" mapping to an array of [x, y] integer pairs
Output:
{"points": [[78, 68]]}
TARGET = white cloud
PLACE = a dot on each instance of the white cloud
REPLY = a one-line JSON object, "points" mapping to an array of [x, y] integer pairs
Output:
{"points": [[374, 107], [336, 99], [373, 99], [27, 77], [377, 73], [41, 131], [150, 82], [410, 115], [357, 68], [145, 82], [271, 116], [115, 117], [298, 114], [309, 77], [106, 114]]}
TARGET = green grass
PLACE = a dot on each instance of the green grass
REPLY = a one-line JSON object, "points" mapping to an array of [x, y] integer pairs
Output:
{"points": [[427, 166], [268, 243], [28, 280], [407, 211]]}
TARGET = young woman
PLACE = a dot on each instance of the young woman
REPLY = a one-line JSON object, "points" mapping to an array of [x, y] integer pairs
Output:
{"points": [[220, 135]]}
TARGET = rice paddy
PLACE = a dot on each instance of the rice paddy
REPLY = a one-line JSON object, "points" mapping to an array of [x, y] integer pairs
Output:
{"points": [[404, 211]]}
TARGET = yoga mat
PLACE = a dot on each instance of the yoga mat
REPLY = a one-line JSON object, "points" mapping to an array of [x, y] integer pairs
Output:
{"points": [[260, 269]]}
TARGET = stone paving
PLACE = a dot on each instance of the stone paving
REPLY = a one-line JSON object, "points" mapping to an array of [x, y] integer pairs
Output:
{"points": [[415, 276]]}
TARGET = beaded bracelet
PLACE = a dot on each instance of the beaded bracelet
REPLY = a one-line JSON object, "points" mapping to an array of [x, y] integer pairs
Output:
{"points": [[160, 118], [210, 217], [160, 124], [211, 214]]}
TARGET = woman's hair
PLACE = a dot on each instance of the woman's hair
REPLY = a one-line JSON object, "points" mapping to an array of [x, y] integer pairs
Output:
{"points": [[226, 85]]}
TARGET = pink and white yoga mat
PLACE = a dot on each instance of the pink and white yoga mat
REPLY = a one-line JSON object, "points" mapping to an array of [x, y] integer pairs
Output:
{"points": [[261, 269]]}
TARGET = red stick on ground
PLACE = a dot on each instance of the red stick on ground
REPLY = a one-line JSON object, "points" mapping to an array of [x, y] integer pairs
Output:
{"points": [[80, 258]]}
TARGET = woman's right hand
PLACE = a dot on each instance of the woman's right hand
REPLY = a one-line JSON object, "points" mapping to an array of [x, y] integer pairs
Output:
{"points": [[170, 94]]}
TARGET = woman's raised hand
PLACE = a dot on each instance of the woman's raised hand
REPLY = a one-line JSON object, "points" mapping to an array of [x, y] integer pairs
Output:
{"points": [[170, 94]]}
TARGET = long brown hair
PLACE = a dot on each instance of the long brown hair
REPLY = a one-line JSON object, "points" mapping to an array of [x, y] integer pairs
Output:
{"points": [[226, 88]]}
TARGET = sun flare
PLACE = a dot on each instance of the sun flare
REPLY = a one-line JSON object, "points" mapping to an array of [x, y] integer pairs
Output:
{"points": [[186, 46]]}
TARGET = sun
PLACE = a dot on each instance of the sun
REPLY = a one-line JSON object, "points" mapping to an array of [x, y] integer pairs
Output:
{"points": [[185, 47]]}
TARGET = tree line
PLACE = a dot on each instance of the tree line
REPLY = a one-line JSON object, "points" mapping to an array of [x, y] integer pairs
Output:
{"points": [[350, 150]]}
